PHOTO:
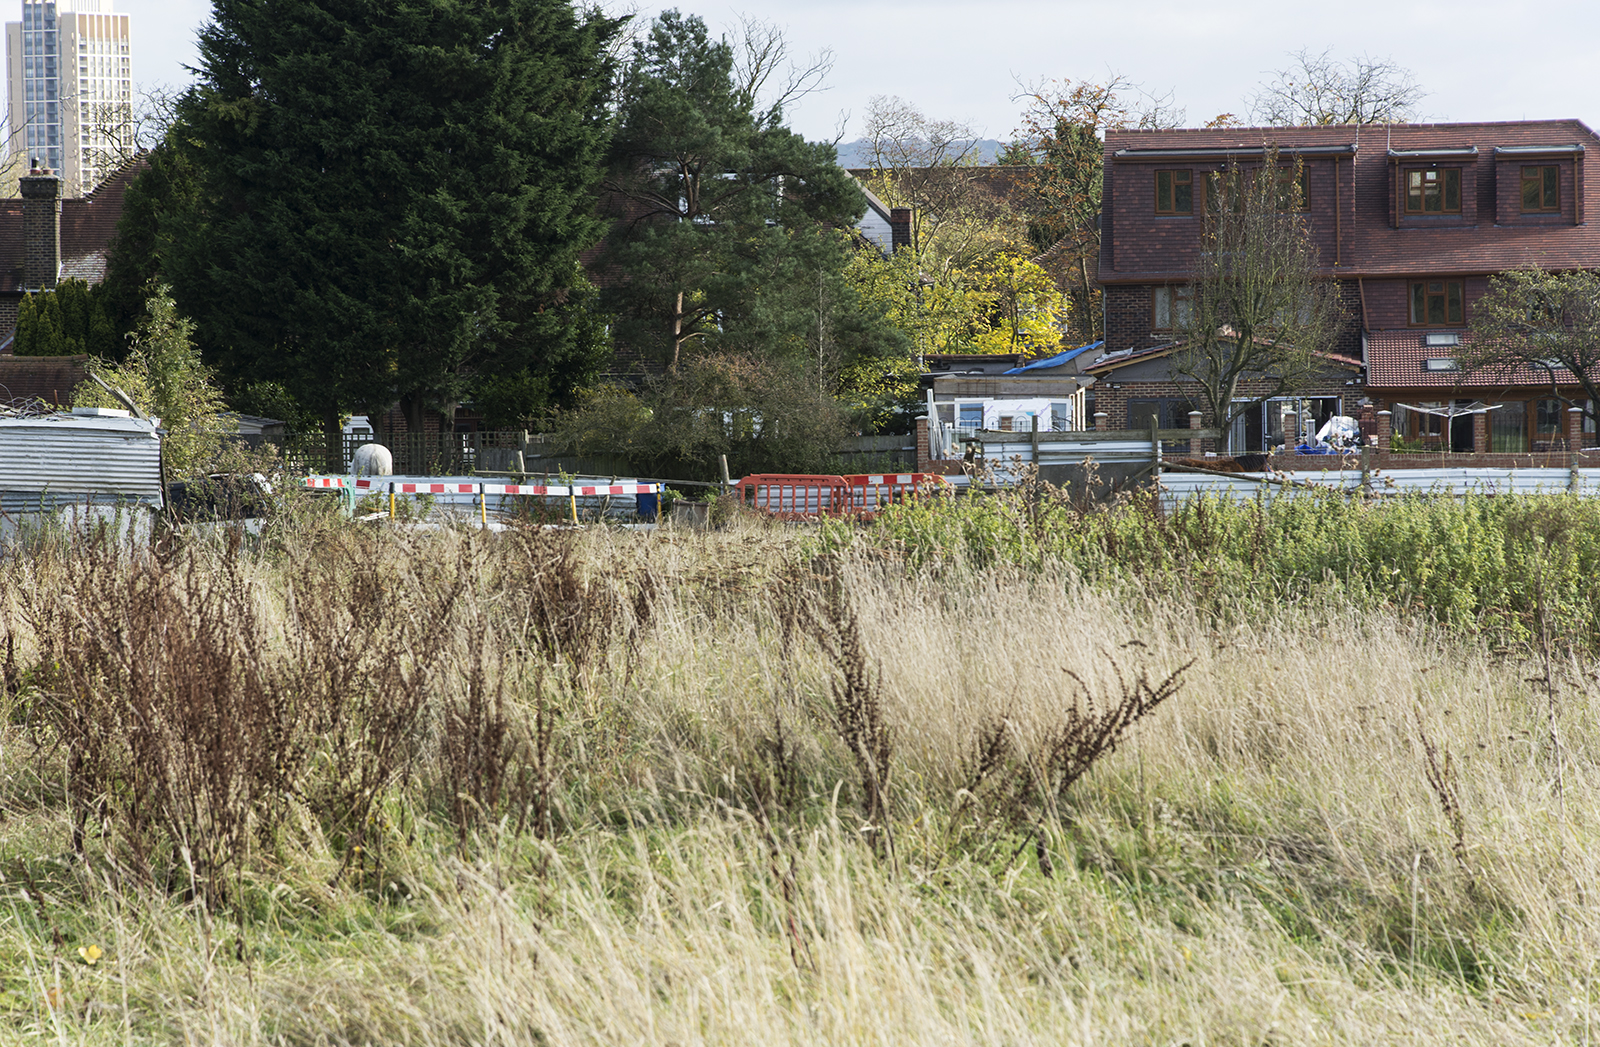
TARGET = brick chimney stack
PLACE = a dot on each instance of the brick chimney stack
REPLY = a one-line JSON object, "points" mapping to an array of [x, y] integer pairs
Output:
{"points": [[41, 229], [899, 227]]}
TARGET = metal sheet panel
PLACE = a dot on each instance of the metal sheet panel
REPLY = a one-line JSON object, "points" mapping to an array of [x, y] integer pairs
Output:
{"points": [[60, 458], [1176, 487]]}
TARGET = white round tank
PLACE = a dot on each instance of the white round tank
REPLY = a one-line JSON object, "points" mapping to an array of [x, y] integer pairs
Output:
{"points": [[372, 460]]}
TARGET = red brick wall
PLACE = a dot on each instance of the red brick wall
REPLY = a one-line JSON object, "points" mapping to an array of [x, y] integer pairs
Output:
{"points": [[1114, 402], [1507, 192], [1388, 301], [1144, 241], [1127, 314]]}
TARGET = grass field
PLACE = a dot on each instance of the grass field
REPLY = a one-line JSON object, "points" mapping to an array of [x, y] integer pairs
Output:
{"points": [[764, 785]]}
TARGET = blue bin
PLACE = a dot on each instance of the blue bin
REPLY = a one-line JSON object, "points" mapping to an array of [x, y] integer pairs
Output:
{"points": [[649, 505]]}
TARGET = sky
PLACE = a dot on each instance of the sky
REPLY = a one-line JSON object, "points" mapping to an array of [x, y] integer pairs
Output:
{"points": [[965, 61]]}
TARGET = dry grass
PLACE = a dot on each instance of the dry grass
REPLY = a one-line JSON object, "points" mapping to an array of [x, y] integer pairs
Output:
{"points": [[629, 809]]}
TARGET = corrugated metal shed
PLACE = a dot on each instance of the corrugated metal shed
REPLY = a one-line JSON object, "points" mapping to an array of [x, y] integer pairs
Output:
{"points": [[61, 459], [1178, 486]]}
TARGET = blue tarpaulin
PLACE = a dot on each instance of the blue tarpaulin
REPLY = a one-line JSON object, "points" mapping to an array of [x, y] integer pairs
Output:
{"points": [[1054, 361]]}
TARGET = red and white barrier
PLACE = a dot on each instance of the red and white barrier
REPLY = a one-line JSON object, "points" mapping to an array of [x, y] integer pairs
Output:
{"points": [[372, 483]]}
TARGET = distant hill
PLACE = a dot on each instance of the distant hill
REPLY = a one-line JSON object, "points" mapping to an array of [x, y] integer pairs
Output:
{"points": [[859, 152]]}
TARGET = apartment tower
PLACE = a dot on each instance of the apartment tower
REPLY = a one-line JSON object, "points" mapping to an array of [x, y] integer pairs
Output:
{"points": [[70, 90]]}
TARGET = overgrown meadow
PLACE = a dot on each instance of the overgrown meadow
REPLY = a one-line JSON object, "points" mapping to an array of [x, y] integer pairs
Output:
{"points": [[1000, 771]]}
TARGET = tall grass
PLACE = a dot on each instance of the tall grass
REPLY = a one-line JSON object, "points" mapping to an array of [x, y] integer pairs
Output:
{"points": [[642, 789], [1506, 568]]}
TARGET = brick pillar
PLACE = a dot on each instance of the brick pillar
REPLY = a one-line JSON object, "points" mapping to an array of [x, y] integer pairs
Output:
{"points": [[1291, 431], [1385, 430], [1102, 422], [1195, 450], [41, 229], [924, 458], [1574, 434], [1480, 433]]}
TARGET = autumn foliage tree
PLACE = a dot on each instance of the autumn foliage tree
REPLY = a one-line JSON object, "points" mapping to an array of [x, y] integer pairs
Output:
{"points": [[1061, 138]]}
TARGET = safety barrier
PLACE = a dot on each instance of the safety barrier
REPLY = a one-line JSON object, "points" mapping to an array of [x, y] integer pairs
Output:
{"points": [[482, 491], [797, 496]]}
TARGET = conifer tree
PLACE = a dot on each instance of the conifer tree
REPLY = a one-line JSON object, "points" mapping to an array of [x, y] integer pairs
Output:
{"points": [[728, 236], [392, 195], [68, 321]]}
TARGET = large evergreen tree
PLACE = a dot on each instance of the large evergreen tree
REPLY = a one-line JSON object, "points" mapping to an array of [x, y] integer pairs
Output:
{"points": [[392, 196], [728, 236]]}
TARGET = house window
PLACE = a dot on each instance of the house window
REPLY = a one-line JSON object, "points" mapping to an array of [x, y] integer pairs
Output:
{"points": [[1174, 192], [1170, 307], [1436, 303], [1541, 189], [1433, 191], [1294, 193], [971, 416], [1060, 416]]}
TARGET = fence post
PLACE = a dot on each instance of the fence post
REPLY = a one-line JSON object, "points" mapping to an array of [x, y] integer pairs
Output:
{"points": [[1035, 439], [1195, 450], [391, 499], [1102, 421], [1385, 430], [1155, 448], [1366, 470], [1574, 443]]}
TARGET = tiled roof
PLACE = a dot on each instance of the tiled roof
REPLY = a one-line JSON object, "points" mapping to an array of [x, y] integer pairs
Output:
{"points": [[48, 378], [88, 225], [1112, 361], [1396, 360], [1370, 245]]}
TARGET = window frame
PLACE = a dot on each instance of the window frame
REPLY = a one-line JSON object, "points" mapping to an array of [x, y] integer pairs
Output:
{"points": [[1421, 211], [1412, 287], [1180, 294], [1173, 184], [1288, 174], [1541, 179]]}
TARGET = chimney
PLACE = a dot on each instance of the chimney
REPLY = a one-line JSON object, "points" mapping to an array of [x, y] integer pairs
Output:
{"points": [[899, 227], [41, 229]]}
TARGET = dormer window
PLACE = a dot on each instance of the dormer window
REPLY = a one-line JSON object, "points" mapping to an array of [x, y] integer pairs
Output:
{"points": [[1433, 190], [1541, 189]]}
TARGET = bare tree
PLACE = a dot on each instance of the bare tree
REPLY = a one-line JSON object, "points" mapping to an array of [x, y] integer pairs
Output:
{"points": [[1260, 318], [960, 214], [1537, 323], [1318, 89], [759, 51]]}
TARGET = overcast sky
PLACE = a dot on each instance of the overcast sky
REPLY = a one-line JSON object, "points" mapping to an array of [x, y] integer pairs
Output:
{"points": [[962, 61]]}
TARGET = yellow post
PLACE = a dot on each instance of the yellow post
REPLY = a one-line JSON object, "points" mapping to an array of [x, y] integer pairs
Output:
{"points": [[391, 500], [483, 506], [572, 493]]}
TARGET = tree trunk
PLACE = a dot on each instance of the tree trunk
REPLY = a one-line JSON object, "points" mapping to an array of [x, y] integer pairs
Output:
{"points": [[677, 332]]}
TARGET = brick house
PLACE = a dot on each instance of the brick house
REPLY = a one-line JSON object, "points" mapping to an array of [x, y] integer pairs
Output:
{"points": [[1411, 219], [45, 239]]}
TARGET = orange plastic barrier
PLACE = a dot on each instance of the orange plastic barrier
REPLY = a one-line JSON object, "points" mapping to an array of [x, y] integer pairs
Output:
{"points": [[794, 496], [870, 492], [798, 496]]}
